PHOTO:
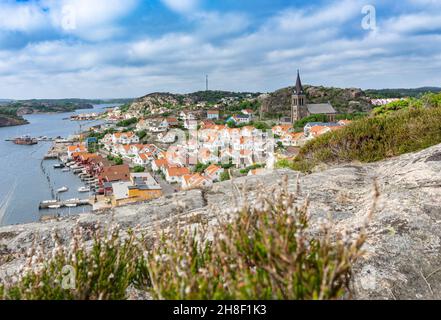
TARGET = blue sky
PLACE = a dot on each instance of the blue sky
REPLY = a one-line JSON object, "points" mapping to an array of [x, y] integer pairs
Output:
{"points": [[128, 48]]}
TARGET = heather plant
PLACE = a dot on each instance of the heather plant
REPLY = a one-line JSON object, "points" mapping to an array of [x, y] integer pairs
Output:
{"points": [[103, 271], [263, 250], [373, 139]]}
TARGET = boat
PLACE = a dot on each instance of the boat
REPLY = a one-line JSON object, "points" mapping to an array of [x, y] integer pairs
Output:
{"points": [[25, 140], [62, 189], [58, 166], [65, 170], [57, 206], [83, 189], [49, 201], [71, 205]]}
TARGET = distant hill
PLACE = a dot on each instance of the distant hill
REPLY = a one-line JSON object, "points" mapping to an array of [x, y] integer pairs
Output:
{"points": [[163, 102], [400, 93]]}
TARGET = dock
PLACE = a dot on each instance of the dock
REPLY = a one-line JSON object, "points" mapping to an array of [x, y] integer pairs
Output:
{"points": [[62, 204]]}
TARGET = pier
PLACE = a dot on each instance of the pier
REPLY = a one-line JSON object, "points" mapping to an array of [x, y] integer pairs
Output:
{"points": [[61, 204]]}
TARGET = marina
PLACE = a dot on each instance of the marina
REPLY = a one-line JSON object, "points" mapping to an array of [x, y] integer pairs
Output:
{"points": [[30, 177], [72, 203]]}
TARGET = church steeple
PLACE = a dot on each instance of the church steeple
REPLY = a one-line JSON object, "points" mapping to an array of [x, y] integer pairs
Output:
{"points": [[298, 104], [298, 89]]}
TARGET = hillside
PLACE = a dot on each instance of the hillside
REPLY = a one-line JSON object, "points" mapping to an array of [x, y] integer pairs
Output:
{"points": [[343, 100], [401, 256], [158, 102], [11, 113], [400, 93], [391, 130], [9, 121]]}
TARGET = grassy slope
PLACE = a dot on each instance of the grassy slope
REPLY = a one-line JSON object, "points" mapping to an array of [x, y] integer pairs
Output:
{"points": [[374, 138]]}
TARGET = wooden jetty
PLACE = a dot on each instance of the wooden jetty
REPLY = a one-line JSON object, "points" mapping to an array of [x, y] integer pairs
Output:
{"points": [[80, 202]]}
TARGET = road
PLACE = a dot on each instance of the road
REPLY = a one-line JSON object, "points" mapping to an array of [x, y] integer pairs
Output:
{"points": [[167, 188]]}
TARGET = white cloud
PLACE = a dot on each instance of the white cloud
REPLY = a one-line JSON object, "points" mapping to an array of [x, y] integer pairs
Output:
{"points": [[404, 51], [181, 6], [21, 17], [90, 20]]}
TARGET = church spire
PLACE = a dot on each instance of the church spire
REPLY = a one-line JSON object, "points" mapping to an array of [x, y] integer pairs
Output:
{"points": [[299, 88]]}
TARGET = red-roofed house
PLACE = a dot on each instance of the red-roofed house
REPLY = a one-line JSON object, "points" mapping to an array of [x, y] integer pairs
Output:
{"points": [[213, 172], [174, 174]]}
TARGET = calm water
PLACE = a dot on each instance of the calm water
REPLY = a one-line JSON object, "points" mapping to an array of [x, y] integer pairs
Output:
{"points": [[26, 180]]}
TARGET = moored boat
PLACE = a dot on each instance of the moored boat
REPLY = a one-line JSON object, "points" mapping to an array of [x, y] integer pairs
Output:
{"points": [[25, 140], [57, 206], [83, 189], [49, 201], [62, 189]]}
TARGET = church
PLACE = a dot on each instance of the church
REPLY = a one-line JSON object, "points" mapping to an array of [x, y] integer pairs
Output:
{"points": [[301, 109]]}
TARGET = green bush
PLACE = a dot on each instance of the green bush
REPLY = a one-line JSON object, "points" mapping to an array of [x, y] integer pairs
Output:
{"points": [[141, 134], [200, 167], [118, 161], [224, 176], [127, 123], [138, 169], [374, 138]]}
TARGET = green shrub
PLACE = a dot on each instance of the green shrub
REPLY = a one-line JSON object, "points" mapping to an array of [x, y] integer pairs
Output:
{"points": [[225, 176], [374, 138], [141, 134], [127, 122], [138, 169], [118, 161]]}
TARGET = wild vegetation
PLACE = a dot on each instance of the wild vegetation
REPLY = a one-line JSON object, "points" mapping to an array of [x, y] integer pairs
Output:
{"points": [[391, 130], [261, 250], [401, 93]]}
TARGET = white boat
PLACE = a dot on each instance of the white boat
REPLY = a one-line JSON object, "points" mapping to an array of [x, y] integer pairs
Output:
{"points": [[71, 205], [49, 201], [65, 170], [55, 207], [73, 200], [83, 189], [62, 189]]}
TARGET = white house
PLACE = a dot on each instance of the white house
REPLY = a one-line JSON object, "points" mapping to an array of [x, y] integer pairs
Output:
{"points": [[240, 119], [142, 159], [196, 180], [174, 174], [187, 115], [190, 124], [213, 114], [124, 138]]}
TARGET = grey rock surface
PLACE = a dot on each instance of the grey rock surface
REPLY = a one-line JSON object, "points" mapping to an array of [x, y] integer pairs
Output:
{"points": [[402, 253]]}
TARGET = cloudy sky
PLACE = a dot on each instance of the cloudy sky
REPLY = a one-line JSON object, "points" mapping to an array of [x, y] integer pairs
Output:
{"points": [[128, 48]]}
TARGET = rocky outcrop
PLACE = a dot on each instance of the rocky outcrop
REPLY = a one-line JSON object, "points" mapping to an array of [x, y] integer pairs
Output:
{"points": [[7, 121], [402, 257], [343, 100]]}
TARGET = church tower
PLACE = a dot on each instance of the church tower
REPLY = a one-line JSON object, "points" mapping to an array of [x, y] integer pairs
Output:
{"points": [[298, 104]]}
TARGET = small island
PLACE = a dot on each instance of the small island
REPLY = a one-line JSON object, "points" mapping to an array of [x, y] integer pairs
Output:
{"points": [[11, 113]]}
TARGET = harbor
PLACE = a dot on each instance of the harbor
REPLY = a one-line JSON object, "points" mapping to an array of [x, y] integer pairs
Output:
{"points": [[71, 203], [31, 178]]}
